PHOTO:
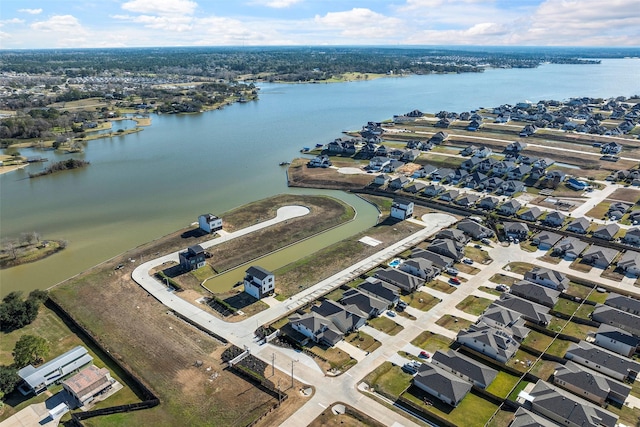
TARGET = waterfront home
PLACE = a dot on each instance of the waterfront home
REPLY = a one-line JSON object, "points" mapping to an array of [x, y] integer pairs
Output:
{"points": [[209, 223], [606, 232], [579, 225], [530, 311], [402, 209], [399, 182], [618, 318], [384, 291], [316, 327], [549, 278], [36, 380], [259, 282], [568, 409], [531, 214], [603, 361], [488, 203], [464, 367], [489, 341], [510, 207], [616, 340], [193, 258], [624, 303], [533, 292], [590, 384], [516, 230], [555, 219], [441, 384], [88, 383], [321, 161], [473, 229], [439, 137], [405, 281], [599, 256], [545, 240], [630, 263], [420, 267], [632, 236]]}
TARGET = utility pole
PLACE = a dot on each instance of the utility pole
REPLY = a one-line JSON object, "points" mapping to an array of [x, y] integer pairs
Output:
{"points": [[273, 364], [292, 362], [279, 395]]}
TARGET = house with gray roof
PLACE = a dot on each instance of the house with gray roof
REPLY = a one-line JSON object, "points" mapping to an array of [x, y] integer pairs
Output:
{"points": [[632, 236], [440, 261], [511, 187], [384, 291], [473, 229], [425, 171], [519, 172], [509, 207], [415, 187], [555, 219], [568, 409], [531, 214], [589, 384], [489, 341], [449, 196], [509, 321], [423, 268], [449, 248], [405, 281], [630, 263], [616, 340], [606, 232], [399, 182], [467, 200], [599, 256], [549, 278], [259, 282], [401, 209], [317, 328], [517, 230], [441, 384], [524, 418], [433, 190], [486, 164], [579, 225], [603, 361], [536, 293], [618, 318], [463, 366], [381, 179], [624, 303], [453, 234], [353, 299], [531, 311], [569, 248], [545, 240], [346, 320], [489, 203], [36, 380]]}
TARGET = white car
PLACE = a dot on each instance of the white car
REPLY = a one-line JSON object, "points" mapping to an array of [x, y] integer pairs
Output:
{"points": [[468, 261]]}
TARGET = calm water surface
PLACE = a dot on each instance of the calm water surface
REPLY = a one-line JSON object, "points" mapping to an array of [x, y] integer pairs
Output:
{"points": [[148, 184]]}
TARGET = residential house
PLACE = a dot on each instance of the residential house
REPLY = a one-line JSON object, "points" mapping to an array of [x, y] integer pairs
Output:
{"points": [[555, 219], [259, 282], [632, 237], [443, 123], [378, 162], [509, 321], [36, 380], [579, 225], [405, 281], [492, 184], [630, 263], [553, 178], [399, 182], [511, 187], [503, 167], [474, 125], [449, 248], [611, 148], [193, 258], [473, 229], [392, 166], [425, 171], [383, 291], [474, 180], [395, 153], [524, 418], [402, 209], [616, 340], [415, 187], [528, 130], [603, 361], [439, 137], [606, 232], [209, 223], [549, 278], [483, 152], [486, 164], [618, 318], [519, 172], [443, 174], [516, 230], [355, 299], [532, 214], [510, 207], [536, 293], [467, 200], [489, 341], [531, 311], [346, 320], [624, 303], [321, 161], [458, 176], [470, 163], [88, 383], [515, 147], [410, 155], [449, 196], [543, 163], [433, 190], [464, 367], [545, 240], [599, 256], [469, 150], [441, 384], [381, 179], [568, 409], [316, 327], [488, 203], [439, 261], [421, 267], [590, 384]]}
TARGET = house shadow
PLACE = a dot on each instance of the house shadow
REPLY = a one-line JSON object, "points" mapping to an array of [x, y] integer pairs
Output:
{"points": [[429, 403], [173, 271], [388, 221], [240, 300], [193, 233]]}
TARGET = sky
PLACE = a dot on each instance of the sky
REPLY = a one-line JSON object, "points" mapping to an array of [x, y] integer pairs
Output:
{"points": [[35, 24]]}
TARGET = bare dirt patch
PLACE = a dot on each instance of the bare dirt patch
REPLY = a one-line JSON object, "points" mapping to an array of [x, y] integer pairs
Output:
{"points": [[299, 175], [629, 195]]}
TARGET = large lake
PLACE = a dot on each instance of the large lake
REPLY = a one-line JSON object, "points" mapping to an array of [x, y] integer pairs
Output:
{"points": [[145, 185]]}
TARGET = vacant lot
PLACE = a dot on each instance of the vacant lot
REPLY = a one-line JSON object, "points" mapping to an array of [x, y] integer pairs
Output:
{"points": [[453, 323], [629, 195], [474, 305], [432, 342]]}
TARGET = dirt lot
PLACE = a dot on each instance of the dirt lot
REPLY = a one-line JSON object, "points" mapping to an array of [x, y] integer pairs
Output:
{"points": [[630, 195], [301, 176]]}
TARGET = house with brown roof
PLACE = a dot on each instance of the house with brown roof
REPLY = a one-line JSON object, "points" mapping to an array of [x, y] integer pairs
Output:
{"points": [[88, 383]]}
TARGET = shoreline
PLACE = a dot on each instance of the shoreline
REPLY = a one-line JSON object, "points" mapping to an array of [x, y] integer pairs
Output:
{"points": [[11, 168]]}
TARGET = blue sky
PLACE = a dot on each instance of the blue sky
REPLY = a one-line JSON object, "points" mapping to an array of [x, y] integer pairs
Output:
{"points": [[27, 24]]}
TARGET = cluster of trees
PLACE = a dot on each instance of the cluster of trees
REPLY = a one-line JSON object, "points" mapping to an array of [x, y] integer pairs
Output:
{"points": [[15, 313], [61, 166]]}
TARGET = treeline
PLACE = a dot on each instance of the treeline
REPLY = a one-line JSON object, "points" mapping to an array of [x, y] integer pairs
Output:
{"points": [[61, 166]]}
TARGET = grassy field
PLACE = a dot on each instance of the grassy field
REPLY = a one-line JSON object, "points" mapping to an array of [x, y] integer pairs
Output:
{"points": [[432, 342], [570, 328], [569, 308], [489, 290], [453, 323], [503, 384], [421, 300], [386, 325], [503, 279], [477, 255], [474, 305], [441, 286], [363, 341], [389, 380]]}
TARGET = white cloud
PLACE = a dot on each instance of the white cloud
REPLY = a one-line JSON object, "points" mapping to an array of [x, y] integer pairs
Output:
{"points": [[161, 7], [31, 11], [276, 4], [169, 23], [59, 31], [58, 23], [11, 21], [360, 23]]}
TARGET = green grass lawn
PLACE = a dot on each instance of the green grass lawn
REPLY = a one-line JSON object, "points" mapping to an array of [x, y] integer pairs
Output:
{"points": [[543, 369], [570, 328], [389, 380], [519, 267], [492, 291], [386, 325], [432, 342], [335, 295], [569, 308], [537, 340], [501, 419], [337, 358], [441, 286], [521, 386], [503, 279], [481, 408], [453, 323], [474, 305], [502, 384], [203, 273], [421, 300], [559, 347], [477, 255], [363, 341]]}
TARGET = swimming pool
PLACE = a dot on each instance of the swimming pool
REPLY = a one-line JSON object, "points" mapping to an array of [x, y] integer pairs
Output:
{"points": [[396, 262]]}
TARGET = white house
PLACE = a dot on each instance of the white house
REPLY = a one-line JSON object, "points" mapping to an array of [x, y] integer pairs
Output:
{"points": [[401, 209], [259, 282], [209, 223], [37, 380]]}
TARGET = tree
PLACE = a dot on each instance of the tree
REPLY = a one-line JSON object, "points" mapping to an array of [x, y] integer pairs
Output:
{"points": [[30, 350], [16, 312], [8, 380]]}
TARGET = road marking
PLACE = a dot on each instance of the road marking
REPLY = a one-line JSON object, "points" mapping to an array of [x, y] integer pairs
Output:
{"points": [[322, 405]]}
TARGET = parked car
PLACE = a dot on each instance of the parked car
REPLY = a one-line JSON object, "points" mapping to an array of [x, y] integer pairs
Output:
{"points": [[467, 261], [502, 288], [455, 280], [452, 270], [391, 313], [424, 355], [401, 304], [411, 367], [486, 241], [477, 246]]}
